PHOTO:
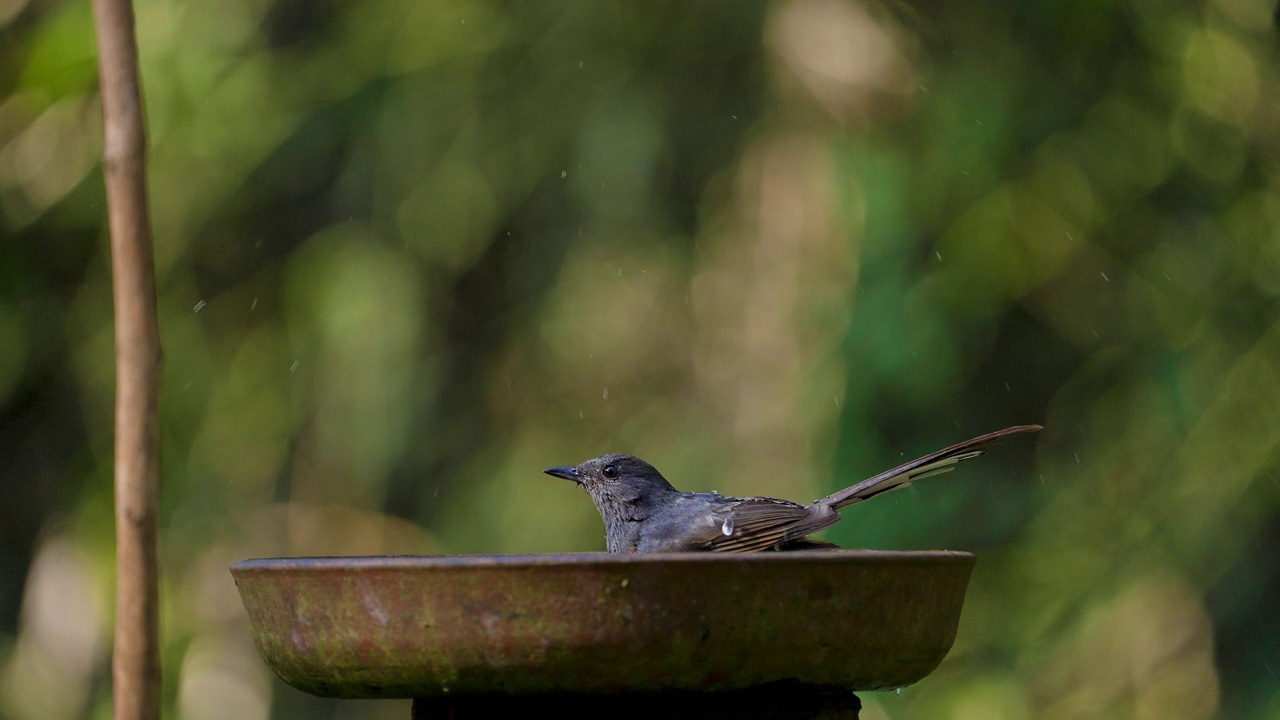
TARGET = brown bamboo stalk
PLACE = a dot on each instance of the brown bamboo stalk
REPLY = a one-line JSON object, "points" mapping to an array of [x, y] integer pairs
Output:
{"points": [[135, 663]]}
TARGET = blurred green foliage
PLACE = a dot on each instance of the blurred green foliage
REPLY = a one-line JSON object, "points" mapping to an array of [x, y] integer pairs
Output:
{"points": [[409, 254]]}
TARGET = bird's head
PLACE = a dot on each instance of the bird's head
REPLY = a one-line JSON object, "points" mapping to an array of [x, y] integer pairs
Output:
{"points": [[616, 477]]}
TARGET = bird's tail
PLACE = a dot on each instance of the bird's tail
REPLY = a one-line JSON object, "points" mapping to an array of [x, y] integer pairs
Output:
{"points": [[941, 461]]}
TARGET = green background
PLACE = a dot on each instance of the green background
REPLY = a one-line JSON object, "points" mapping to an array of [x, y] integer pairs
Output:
{"points": [[410, 254]]}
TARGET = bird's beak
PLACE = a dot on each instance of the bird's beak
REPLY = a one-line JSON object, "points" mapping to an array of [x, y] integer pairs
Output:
{"points": [[567, 473]]}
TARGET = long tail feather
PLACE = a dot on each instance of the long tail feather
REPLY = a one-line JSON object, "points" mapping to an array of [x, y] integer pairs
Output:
{"points": [[936, 463]]}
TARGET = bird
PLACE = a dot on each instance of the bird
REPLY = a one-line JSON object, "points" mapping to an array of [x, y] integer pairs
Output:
{"points": [[643, 513]]}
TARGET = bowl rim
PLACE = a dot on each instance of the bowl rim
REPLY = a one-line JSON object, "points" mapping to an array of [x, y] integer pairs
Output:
{"points": [[330, 563]]}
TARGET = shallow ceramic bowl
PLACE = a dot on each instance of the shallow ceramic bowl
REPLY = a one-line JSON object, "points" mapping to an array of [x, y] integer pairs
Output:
{"points": [[418, 626]]}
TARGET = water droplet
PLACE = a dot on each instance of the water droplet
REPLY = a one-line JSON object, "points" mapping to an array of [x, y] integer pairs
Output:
{"points": [[606, 393], [199, 306], [727, 528], [564, 174]]}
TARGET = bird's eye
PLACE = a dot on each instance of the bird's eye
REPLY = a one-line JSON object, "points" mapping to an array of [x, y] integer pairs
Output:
{"points": [[610, 471]]}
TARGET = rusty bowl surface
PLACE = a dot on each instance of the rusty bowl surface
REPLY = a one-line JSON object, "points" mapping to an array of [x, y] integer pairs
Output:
{"points": [[428, 626]]}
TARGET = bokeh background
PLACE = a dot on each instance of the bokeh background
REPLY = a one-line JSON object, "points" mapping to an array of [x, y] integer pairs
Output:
{"points": [[410, 254]]}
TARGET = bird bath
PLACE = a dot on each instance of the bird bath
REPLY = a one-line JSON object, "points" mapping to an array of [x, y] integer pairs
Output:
{"points": [[479, 631]]}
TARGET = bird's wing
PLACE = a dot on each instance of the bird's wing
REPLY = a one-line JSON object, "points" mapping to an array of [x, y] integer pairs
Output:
{"points": [[936, 463], [759, 523]]}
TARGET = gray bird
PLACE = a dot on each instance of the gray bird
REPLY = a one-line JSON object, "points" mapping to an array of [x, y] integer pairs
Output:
{"points": [[643, 513]]}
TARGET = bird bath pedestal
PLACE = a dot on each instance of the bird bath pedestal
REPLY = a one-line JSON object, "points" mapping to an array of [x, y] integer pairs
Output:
{"points": [[672, 636]]}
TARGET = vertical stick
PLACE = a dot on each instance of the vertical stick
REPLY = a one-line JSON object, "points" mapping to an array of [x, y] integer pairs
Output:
{"points": [[136, 660]]}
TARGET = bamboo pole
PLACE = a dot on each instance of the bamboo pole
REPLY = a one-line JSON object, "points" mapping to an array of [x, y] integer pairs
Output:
{"points": [[136, 658]]}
